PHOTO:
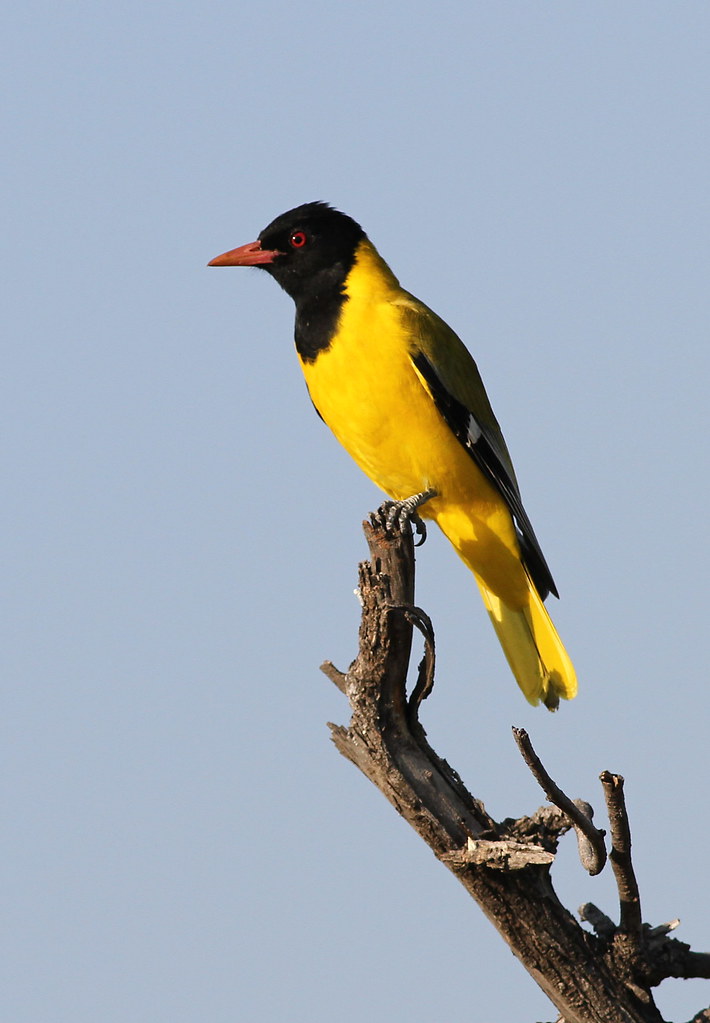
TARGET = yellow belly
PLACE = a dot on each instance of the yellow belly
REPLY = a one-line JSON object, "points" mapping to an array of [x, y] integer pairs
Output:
{"points": [[371, 398], [367, 390]]}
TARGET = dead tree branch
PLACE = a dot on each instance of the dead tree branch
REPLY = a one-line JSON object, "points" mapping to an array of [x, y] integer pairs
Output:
{"points": [[629, 898], [592, 851], [600, 977]]}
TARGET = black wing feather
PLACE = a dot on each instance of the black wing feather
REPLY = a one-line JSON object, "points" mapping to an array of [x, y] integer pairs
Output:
{"points": [[481, 446]]}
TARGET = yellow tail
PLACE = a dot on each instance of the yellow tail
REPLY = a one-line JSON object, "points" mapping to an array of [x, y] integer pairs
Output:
{"points": [[534, 651]]}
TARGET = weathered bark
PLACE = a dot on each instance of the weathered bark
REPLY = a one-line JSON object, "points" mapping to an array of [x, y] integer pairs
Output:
{"points": [[601, 977]]}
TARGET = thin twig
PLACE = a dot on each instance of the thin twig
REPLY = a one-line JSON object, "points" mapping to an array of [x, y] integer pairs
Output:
{"points": [[592, 851], [425, 680], [620, 856], [336, 676], [603, 926]]}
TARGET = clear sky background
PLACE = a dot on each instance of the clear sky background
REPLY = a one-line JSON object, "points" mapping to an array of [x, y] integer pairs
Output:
{"points": [[182, 843]]}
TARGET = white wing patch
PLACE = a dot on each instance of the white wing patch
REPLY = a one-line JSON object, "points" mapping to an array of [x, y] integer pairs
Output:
{"points": [[473, 430]]}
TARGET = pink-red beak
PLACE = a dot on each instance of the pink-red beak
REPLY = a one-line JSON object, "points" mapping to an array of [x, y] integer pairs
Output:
{"points": [[246, 255]]}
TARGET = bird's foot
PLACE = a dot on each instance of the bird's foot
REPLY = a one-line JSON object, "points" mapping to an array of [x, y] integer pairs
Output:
{"points": [[399, 513]]}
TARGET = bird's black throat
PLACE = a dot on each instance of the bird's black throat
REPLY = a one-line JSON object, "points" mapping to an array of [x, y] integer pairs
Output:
{"points": [[319, 300], [317, 317]]}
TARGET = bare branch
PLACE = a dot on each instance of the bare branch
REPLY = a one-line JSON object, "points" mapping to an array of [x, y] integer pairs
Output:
{"points": [[662, 929], [425, 681], [337, 677], [605, 977], [499, 855], [590, 840], [602, 924], [629, 898]]}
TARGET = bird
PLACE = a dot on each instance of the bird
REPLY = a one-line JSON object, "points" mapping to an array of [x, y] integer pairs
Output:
{"points": [[403, 395]]}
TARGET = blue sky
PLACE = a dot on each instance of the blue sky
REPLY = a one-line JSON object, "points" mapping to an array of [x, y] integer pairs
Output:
{"points": [[181, 533]]}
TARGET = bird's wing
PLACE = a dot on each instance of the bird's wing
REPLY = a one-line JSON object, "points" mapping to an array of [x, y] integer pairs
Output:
{"points": [[451, 376]]}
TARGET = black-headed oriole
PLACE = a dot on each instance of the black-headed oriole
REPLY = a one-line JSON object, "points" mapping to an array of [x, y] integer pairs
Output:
{"points": [[404, 397]]}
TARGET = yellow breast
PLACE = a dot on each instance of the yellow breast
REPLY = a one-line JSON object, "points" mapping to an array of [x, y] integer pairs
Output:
{"points": [[364, 384], [367, 390]]}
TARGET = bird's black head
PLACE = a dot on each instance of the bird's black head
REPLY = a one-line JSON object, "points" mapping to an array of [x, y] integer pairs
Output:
{"points": [[310, 250]]}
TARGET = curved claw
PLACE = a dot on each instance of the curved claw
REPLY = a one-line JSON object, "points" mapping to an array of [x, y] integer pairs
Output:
{"points": [[402, 512], [419, 529]]}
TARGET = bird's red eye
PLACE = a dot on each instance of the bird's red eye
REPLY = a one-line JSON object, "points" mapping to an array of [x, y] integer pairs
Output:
{"points": [[298, 239]]}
